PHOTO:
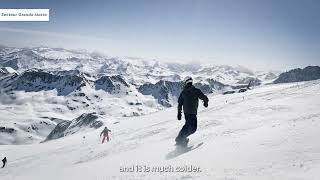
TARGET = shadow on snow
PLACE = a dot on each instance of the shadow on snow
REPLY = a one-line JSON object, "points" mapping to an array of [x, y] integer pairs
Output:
{"points": [[180, 150]]}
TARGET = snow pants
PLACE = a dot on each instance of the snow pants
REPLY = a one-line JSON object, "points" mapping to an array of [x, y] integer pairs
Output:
{"points": [[189, 127], [104, 138]]}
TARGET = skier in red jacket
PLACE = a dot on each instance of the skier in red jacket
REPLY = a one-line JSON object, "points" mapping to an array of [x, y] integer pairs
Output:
{"points": [[105, 134]]}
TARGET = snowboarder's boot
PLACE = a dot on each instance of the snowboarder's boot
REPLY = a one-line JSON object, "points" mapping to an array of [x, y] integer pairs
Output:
{"points": [[183, 142]]}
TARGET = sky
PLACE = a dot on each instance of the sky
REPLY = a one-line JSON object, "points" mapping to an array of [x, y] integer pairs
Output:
{"points": [[258, 34]]}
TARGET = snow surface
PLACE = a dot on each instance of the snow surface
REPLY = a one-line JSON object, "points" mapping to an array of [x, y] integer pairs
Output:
{"points": [[7, 70], [271, 132], [36, 109]]}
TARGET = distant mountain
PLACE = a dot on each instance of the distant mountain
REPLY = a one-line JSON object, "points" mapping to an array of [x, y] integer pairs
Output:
{"points": [[267, 76], [167, 92], [50, 85], [208, 86], [79, 73], [162, 91], [296, 75], [244, 70], [111, 84], [97, 65], [226, 74], [82, 123], [35, 80], [252, 81], [80, 91]]}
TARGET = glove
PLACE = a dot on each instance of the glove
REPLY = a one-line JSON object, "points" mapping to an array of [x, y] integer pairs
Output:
{"points": [[205, 104], [179, 116]]}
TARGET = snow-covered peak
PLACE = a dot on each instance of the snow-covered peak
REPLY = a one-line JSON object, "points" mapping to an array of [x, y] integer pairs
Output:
{"points": [[60, 53], [137, 70], [243, 69]]}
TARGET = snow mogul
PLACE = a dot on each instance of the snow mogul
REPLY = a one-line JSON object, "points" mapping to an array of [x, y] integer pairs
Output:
{"points": [[188, 100], [105, 133]]}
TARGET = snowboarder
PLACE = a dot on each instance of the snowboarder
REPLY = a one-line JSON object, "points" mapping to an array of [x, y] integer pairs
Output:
{"points": [[4, 161], [188, 99], [105, 134]]}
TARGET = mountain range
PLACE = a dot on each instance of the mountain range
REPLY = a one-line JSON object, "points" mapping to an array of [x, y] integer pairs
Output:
{"points": [[48, 86]]}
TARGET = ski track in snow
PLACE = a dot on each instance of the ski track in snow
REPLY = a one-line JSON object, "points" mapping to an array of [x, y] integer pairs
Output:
{"points": [[270, 132]]}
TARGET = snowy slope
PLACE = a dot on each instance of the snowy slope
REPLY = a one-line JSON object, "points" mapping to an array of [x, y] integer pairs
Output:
{"points": [[267, 133]]}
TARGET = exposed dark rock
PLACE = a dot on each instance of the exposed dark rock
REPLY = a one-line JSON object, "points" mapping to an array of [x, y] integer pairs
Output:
{"points": [[251, 80], [7, 130], [35, 80], [83, 122], [205, 88], [296, 75], [59, 130], [209, 86], [161, 91], [111, 84]]}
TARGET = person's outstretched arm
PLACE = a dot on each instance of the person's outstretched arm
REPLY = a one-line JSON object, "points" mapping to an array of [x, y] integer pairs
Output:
{"points": [[203, 97]]}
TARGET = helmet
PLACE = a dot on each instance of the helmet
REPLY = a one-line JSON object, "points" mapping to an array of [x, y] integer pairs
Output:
{"points": [[187, 80]]}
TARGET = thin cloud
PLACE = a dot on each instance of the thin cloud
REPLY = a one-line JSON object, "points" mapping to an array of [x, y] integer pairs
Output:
{"points": [[51, 34]]}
